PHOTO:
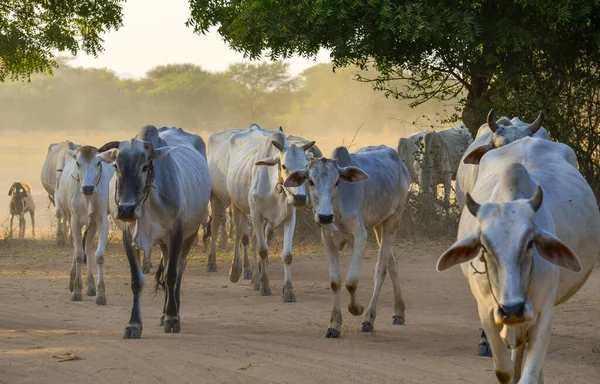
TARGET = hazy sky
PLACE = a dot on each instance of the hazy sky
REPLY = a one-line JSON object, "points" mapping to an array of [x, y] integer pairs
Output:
{"points": [[154, 33]]}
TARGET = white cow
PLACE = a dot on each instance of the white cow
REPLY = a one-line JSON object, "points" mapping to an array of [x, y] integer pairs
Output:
{"points": [[248, 168], [493, 134], [440, 157], [408, 150], [55, 161], [82, 198], [352, 193], [528, 247]]}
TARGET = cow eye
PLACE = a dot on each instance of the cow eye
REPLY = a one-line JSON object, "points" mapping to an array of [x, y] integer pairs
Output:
{"points": [[283, 167], [77, 164], [145, 168], [311, 183], [337, 183], [530, 245], [99, 163]]}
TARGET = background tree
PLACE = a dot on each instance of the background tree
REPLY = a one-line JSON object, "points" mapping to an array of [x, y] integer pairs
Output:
{"points": [[30, 30], [443, 49]]}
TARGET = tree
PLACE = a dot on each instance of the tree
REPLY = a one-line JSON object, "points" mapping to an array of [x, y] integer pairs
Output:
{"points": [[443, 49], [30, 30]]}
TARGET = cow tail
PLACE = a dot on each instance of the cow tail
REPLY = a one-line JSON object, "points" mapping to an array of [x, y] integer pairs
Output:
{"points": [[159, 277], [84, 255]]}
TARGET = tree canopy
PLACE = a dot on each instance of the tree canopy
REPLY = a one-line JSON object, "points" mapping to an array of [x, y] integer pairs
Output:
{"points": [[443, 49], [30, 30]]}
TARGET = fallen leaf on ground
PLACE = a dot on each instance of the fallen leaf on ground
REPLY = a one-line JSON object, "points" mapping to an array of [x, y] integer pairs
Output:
{"points": [[67, 357]]}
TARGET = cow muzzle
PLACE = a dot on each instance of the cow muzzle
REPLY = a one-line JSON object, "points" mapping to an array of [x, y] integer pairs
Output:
{"points": [[88, 190], [127, 212], [299, 200], [515, 313], [324, 219]]}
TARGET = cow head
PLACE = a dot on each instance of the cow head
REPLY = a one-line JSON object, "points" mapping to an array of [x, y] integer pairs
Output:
{"points": [[290, 159], [18, 194], [507, 240], [503, 133], [324, 176], [133, 161], [88, 168]]}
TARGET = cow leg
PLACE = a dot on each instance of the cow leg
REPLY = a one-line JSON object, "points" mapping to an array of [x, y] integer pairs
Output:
{"points": [[147, 261], [247, 269], [22, 226], [385, 233], [187, 246], [335, 281], [76, 284], [358, 250], [288, 236], [100, 250], [32, 214], [483, 349], [263, 251], [236, 266], [162, 264], [539, 339], [134, 329], [90, 234], [172, 322], [502, 362], [215, 206], [12, 218], [399, 306], [517, 358]]}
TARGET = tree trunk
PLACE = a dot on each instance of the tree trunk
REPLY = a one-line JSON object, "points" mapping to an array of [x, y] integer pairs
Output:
{"points": [[477, 105]]}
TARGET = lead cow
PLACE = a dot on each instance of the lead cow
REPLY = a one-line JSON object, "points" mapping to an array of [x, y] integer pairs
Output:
{"points": [[350, 194], [529, 246], [161, 190]]}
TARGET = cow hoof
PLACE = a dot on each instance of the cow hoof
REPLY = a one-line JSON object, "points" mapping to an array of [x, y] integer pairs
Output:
{"points": [[332, 333], [484, 349], [356, 310], [234, 274], [162, 321], [265, 292], [397, 320], [133, 331], [366, 327], [91, 291], [76, 297], [172, 325], [211, 267], [256, 285], [288, 296], [247, 275], [100, 300]]}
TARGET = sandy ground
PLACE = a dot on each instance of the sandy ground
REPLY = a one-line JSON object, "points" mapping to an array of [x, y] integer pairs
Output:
{"points": [[231, 334]]}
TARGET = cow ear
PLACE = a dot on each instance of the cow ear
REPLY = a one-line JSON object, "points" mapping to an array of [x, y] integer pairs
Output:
{"points": [[72, 153], [474, 157], [161, 152], [10, 191], [269, 161], [295, 179], [352, 174], [108, 156], [554, 251], [465, 249]]}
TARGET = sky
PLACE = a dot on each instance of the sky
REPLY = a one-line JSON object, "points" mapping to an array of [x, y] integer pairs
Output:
{"points": [[154, 33]]}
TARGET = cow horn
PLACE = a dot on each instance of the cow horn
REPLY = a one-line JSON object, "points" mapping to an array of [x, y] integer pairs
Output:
{"points": [[109, 145], [281, 128], [278, 145], [491, 121], [307, 146], [537, 124], [472, 205], [537, 199]]}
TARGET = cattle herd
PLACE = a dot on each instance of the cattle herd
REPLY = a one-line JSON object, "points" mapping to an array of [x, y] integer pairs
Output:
{"points": [[527, 240]]}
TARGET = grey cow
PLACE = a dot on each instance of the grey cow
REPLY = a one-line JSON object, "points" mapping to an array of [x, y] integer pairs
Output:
{"points": [[350, 193], [160, 192]]}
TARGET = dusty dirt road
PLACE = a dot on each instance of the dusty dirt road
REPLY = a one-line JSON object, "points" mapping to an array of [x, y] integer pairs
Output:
{"points": [[231, 334]]}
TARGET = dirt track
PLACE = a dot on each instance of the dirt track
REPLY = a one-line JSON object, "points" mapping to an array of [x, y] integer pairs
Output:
{"points": [[231, 334]]}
